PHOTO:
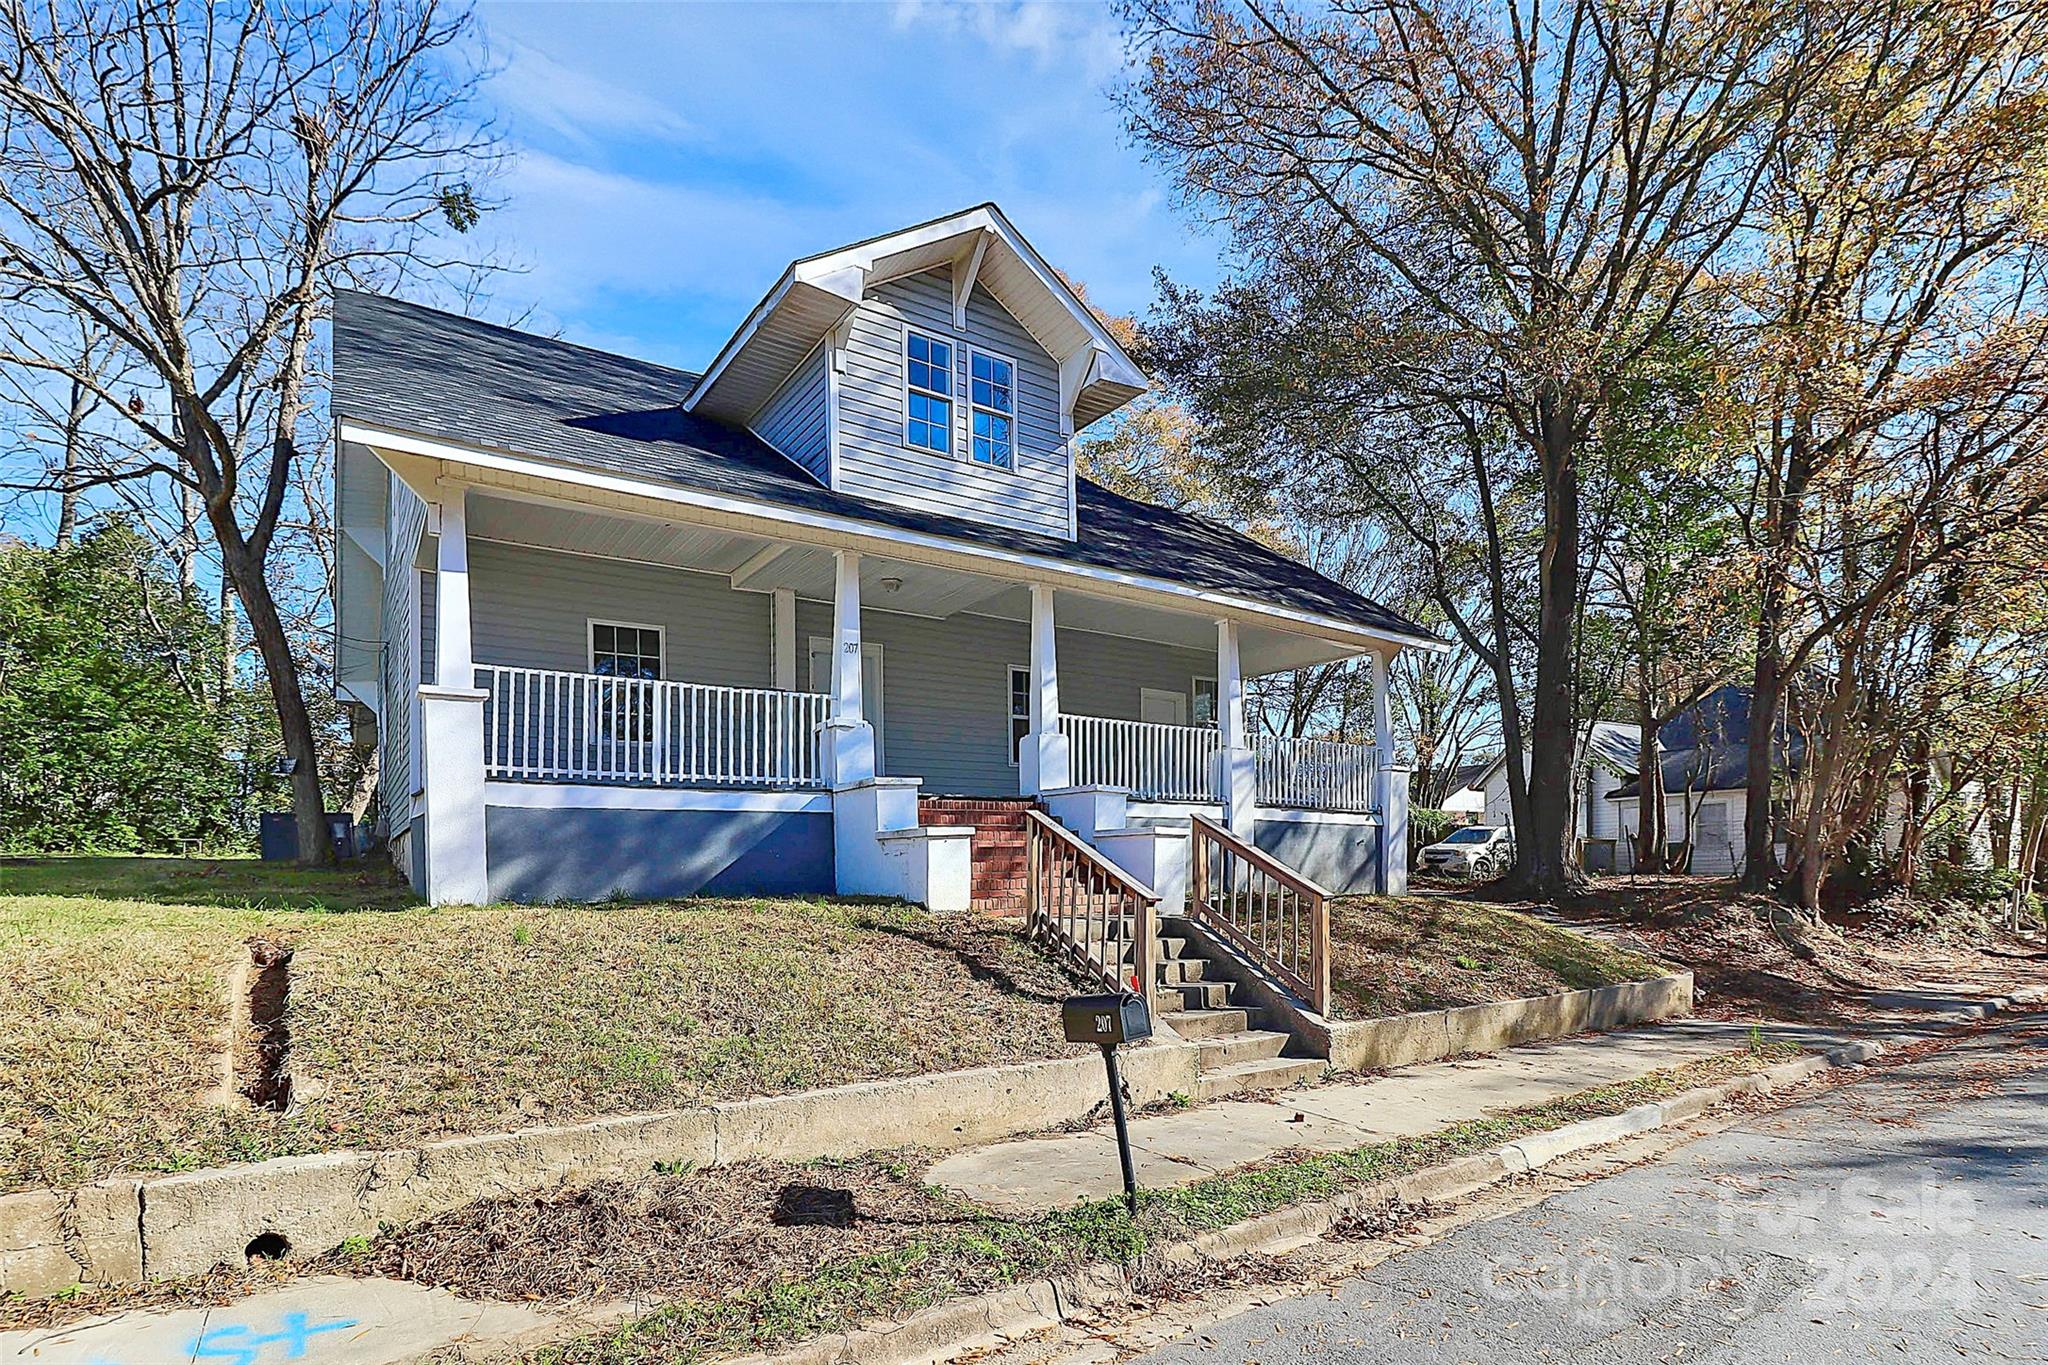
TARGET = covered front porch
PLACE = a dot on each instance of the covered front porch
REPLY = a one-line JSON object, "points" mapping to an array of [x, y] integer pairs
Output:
{"points": [[615, 702], [638, 655]]}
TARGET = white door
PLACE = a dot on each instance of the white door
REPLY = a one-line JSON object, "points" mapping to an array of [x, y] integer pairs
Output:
{"points": [[870, 684], [1162, 708]]}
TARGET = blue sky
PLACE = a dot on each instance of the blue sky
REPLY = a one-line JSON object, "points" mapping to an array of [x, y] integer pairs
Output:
{"points": [[672, 158]]}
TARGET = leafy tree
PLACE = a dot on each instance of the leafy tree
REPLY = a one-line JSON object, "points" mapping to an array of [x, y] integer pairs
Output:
{"points": [[111, 733], [1547, 184], [180, 182]]}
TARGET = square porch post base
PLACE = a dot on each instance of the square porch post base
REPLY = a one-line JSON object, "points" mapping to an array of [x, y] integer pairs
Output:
{"points": [[1237, 783], [452, 755]]}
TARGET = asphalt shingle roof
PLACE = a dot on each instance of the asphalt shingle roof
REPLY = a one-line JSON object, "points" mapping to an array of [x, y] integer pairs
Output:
{"points": [[436, 374]]}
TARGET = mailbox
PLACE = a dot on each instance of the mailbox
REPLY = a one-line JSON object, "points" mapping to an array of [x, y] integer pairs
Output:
{"points": [[1106, 1020]]}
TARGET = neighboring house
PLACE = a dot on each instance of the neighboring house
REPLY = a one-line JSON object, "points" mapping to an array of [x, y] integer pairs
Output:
{"points": [[1466, 803], [621, 627], [1607, 756]]}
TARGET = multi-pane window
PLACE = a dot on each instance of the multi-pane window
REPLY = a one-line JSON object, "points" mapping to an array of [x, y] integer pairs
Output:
{"points": [[624, 710], [625, 651], [1020, 708], [928, 394], [992, 391], [1205, 701]]}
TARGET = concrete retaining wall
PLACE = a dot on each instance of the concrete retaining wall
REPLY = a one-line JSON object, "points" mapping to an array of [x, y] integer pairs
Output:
{"points": [[1405, 1039], [122, 1231]]}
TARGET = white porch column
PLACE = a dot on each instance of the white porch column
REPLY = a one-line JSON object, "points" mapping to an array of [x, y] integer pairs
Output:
{"points": [[782, 635], [1042, 763], [452, 725], [1393, 784], [1237, 772], [849, 756]]}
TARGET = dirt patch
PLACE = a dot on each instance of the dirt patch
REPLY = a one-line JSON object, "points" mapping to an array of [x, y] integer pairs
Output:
{"points": [[701, 1234], [263, 1068]]}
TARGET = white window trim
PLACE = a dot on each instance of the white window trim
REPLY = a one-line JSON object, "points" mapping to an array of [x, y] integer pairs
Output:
{"points": [[590, 625], [971, 407], [1010, 718], [1195, 691], [952, 397]]}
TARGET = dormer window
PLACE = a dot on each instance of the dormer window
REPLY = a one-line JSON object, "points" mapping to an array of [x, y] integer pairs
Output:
{"points": [[992, 394], [928, 394]]}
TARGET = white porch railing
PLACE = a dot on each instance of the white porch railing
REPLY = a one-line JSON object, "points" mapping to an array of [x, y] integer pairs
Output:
{"points": [[1317, 774], [1152, 761], [553, 726]]}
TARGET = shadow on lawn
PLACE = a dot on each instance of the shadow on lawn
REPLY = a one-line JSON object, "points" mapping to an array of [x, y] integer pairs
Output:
{"points": [[221, 883], [981, 951]]}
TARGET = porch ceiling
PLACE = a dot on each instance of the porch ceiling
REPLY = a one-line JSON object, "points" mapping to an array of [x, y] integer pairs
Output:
{"points": [[758, 564]]}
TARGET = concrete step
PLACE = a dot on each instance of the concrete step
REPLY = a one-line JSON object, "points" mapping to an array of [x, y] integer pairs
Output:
{"points": [[1180, 970], [1199, 1024], [1199, 995], [1275, 1073], [1172, 949], [1252, 1045]]}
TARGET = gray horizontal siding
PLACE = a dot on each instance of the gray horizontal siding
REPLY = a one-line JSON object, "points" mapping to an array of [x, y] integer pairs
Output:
{"points": [[397, 777], [945, 684], [794, 420], [873, 460], [531, 608]]}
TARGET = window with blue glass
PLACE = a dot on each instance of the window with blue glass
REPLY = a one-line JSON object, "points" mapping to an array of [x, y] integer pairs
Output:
{"points": [[928, 397], [992, 395]]}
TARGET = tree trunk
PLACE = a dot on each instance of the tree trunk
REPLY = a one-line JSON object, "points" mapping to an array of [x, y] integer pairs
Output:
{"points": [[369, 767], [1545, 867], [266, 629], [74, 440], [1650, 837], [228, 646]]}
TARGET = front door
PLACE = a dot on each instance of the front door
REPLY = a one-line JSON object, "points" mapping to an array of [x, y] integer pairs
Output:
{"points": [[870, 684], [1159, 707]]}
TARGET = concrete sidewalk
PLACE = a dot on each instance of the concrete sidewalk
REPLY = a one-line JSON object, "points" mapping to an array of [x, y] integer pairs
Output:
{"points": [[330, 1320], [1170, 1150]]}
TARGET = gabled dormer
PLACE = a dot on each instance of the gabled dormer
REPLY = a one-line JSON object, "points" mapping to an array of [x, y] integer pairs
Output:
{"points": [[945, 367]]}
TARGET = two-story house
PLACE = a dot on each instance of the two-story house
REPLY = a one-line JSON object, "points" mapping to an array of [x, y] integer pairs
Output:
{"points": [[799, 623]]}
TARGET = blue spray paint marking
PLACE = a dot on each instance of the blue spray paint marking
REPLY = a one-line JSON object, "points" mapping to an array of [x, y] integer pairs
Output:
{"points": [[244, 1346]]}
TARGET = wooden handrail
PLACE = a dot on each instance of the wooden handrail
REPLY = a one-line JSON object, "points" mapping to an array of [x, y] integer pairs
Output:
{"points": [[1263, 909], [1272, 866], [1092, 854], [1072, 895]]}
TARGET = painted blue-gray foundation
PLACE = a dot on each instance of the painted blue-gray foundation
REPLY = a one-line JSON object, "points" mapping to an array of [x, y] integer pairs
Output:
{"points": [[1344, 858], [587, 855]]}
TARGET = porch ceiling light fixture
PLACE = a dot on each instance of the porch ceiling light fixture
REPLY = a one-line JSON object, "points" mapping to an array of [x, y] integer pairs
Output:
{"points": [[892, 584]]}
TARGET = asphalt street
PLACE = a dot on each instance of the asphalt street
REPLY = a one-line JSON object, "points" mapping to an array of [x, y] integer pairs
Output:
{"points": [[1902, 1217]]}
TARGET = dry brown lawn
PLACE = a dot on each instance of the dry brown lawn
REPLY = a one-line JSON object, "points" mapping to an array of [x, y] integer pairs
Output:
{"points": [[409, 1023], [1395, 955]]}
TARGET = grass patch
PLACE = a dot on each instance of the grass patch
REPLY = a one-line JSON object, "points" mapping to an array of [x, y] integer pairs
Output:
{"points": [[410, 1023], [953, 1251], [1395, 955]]}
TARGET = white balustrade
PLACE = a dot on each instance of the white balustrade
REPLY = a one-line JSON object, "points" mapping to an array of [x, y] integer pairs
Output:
{"points": [[549, 725], [1151, 761], [1317, 774]]}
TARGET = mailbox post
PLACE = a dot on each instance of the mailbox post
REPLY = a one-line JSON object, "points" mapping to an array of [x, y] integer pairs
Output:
{"points": [[1108, 1021]]}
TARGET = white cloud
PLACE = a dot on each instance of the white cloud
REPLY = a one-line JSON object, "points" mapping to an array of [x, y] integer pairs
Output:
{"points": [[1052, 33], [579, 105]]}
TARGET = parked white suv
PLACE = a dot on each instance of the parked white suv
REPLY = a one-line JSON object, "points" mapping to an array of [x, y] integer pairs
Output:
{"points": [[1474, 851]]}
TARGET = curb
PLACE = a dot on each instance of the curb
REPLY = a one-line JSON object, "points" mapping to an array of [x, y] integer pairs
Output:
{"points": [[946, 1330]]}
